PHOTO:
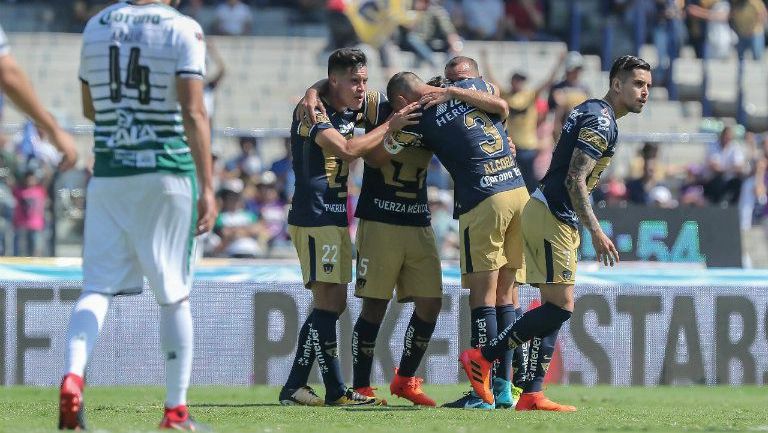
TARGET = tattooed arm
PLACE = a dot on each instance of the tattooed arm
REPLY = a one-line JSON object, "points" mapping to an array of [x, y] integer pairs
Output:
{"points": [[576, 183], [580, 168]]}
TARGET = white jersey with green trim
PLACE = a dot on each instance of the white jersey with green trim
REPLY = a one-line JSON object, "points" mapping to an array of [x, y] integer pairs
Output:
{"points": [[130, 59], [4, 47]]}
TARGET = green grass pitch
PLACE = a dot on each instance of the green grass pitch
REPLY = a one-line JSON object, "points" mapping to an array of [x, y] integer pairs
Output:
{"points": [[255, 409]]}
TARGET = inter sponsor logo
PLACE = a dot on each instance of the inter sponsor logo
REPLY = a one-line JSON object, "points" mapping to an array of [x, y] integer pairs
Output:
{"points": [[482, 332]]}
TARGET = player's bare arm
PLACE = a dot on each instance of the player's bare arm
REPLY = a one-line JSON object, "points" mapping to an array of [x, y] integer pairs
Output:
{"points": [[381, 155], [197, 129], [490, 103], [331, 139], [580, 168], [15, 84], [310, 104]]}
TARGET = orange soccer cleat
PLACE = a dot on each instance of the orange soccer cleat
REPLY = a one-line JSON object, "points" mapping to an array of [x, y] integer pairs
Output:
{"points": [[478, 371], [409, 388], [71, 405], [538, 401], [177, 418]]}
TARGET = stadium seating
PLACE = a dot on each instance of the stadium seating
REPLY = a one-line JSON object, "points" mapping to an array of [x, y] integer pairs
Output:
{"points": [[267, 75]]}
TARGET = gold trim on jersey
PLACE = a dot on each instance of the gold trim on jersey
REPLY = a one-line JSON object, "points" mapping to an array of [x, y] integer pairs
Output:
{"points": [[594, 176], [594, 138], [336, 172], [495, 143], [372, 107], [407, 170]]}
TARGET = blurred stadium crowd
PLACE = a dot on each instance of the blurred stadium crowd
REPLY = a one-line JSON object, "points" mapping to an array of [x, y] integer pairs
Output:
{"points": [[255, 185]]}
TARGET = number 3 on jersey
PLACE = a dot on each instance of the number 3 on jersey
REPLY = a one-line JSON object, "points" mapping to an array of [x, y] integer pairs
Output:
{"points": [[137, 76], [494, 142]]}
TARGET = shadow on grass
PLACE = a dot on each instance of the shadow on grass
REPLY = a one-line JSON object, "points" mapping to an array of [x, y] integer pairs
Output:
{"points": [[381, 408], [236, 405]]}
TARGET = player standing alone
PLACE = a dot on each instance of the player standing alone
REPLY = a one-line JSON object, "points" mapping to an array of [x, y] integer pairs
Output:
{"points": [[550, 222], [142, 66]]}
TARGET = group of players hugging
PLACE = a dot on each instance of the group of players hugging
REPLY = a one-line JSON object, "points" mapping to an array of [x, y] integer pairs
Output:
{"points": [[141, 71], [507, 237]]}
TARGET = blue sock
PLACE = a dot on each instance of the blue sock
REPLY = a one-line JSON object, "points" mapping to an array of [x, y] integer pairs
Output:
{"points": [[539, 358], [484, 326], [520, 359], [326, 350], [417, 336], [505, 316], [540, 321], [363, 343], [305, 356]]}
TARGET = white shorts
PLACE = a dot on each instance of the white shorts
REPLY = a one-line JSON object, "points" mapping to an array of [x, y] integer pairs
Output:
{"points": [[136, 226]]}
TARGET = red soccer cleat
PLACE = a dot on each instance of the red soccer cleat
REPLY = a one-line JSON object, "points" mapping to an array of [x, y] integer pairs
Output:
{"points": [[71, 406], [478, 371], [369, 392], [538, 401], [177, 418], [409, 388]]}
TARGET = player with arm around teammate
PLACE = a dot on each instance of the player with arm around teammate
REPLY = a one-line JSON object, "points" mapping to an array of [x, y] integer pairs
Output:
{"points": [[318, 217], [550, 222], [489, 195], [510, 372]]}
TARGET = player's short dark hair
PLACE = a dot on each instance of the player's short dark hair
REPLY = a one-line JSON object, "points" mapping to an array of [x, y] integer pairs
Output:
{"points": [[344, 59], [625, 65], [458, 60], [437, 81], [402, 83]]}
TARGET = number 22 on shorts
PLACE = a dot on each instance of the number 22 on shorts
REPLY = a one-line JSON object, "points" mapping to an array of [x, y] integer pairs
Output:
{"points": [[330, 253]]}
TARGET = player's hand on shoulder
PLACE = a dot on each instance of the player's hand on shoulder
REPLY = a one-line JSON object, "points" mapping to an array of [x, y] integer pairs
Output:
{"points": [[408, 115], [606, 251], [309, 106], [65, 143], [206, 212]]}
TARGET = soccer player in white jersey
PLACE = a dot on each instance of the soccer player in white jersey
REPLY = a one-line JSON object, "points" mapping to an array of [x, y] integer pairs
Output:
{"points": [[15, 84], [142, 66]]}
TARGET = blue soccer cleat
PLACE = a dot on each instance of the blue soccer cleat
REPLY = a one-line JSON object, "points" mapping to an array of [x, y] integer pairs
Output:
{"points": [[470, 400], [502, 393]]}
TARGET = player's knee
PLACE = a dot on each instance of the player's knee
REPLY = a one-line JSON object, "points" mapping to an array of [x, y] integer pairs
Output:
{"points": [[374, 310], [428, 308], [559, 295]]}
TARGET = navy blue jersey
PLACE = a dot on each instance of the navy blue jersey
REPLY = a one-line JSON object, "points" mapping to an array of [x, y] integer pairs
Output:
{"points": [[396, 193], [471, 144], [320, 198], [591, 127]]}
